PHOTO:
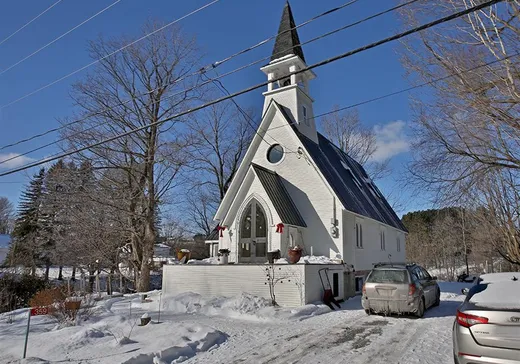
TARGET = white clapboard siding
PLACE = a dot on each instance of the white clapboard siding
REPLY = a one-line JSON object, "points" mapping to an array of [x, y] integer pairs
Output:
{"points": [[298, 284], [313, 285], [231, 280]]}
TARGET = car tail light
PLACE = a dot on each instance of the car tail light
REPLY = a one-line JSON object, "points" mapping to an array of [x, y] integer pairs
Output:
{"points": [[466, 354], [364, 289], [470, 320], [411, 289]]}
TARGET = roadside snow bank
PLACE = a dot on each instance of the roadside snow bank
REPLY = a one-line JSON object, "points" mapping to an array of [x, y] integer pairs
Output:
{"points": [[111, 335], [244, 306], [186, 343]]}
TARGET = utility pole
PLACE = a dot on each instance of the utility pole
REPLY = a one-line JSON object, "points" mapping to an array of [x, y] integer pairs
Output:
{"points": [[464, 241]]}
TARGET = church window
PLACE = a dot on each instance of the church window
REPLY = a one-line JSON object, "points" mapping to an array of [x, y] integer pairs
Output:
{"points": [[275, 153], [305, 118]]}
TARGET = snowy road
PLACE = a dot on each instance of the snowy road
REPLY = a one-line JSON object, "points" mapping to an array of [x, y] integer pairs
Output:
{"points": [[346, 335]]}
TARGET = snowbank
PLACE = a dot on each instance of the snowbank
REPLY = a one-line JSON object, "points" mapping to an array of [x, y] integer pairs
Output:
{"points": [[244, 306], [111, 335], [453, 287], [207, 261], [311, 259]]}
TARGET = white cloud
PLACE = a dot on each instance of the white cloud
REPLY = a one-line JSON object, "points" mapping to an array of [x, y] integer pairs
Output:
{"points": [[13, 160], [391, 140]]}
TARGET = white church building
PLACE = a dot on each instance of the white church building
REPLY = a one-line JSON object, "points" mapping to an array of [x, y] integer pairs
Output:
{"points": [[295, 187], [293, 175]]}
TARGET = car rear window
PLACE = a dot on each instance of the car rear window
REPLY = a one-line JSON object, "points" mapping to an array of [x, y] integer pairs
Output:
{"points": [[497, 295], [388, 276]]}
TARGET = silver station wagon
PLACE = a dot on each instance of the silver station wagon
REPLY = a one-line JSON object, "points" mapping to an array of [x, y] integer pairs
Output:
{"points": [[400, 288]]}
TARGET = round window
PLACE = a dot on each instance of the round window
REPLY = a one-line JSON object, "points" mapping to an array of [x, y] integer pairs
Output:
{"points": [[275, 153]]}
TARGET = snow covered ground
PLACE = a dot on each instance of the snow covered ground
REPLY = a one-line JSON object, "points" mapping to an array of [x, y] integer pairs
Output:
{"points": [[243, 329]]}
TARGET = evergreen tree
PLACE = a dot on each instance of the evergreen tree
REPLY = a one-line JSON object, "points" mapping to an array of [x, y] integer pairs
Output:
{"points": [[54, 216], [25, 249]]}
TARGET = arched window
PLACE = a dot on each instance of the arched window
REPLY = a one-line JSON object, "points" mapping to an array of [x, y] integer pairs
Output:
{"points": [[245, 226], [253, 232]]}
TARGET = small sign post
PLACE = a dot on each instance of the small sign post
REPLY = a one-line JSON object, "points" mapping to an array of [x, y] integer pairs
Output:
{"points": [[35, 311]]}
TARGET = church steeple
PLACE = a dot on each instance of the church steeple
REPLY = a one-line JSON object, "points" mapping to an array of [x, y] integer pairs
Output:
{"points": [[289, 79], [287, 41]]}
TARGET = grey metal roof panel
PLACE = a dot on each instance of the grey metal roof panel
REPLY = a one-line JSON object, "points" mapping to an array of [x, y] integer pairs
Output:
{"points": [[350, 182], [279, 196], [287, 42], [334, 164], [213, 236]]}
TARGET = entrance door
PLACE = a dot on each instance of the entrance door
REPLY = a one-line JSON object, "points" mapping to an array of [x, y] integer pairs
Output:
{"points": [[252, 246]]}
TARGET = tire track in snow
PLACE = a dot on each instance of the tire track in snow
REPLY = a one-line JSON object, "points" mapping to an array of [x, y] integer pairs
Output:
{"points": [[394, 341], [296, 346]]}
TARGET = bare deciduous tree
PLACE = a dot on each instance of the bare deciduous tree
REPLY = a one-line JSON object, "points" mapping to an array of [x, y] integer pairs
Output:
{"points": [[499, 221], [345, 129], [467, 135], [220, 136], [137, 87]]}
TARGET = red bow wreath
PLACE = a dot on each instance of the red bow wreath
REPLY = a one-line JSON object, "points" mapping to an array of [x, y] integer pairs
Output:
{"points": [[221, 229], [279, 228]]}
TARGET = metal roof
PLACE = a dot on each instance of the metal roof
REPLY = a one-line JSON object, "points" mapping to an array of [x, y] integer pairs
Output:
{"points": [[279, 196], [347, 178], [213, 235], [287, 41], [350, 182]]}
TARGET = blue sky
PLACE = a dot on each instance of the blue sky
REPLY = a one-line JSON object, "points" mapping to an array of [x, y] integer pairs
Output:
{"points": [[222, 29]]}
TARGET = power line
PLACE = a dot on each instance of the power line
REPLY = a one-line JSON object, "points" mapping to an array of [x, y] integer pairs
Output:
{"points": [[60, 37], [328, 12], [108, 55], [351, 106], [204, 69], [247, 117], [29, 22], [408, 89], [263, 84]]}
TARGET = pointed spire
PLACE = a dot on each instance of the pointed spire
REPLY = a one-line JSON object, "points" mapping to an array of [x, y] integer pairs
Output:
{"points": [[287, 41]]}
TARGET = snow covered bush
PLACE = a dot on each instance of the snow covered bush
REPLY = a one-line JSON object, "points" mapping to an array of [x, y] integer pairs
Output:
{"points": [[66, 309]]}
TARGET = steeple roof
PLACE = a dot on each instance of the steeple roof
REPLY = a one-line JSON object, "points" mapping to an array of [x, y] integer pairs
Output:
{"points": [[287, 41]]}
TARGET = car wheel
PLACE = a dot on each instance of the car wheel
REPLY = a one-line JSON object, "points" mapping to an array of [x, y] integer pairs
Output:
{"points": [[437, 298], [420, 309]]}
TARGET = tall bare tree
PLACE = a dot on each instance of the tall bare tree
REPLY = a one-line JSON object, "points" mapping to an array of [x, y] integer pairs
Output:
{"points": [[137, 87], [467, 134], [220, 136], [345, 129], [499, 221]]}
